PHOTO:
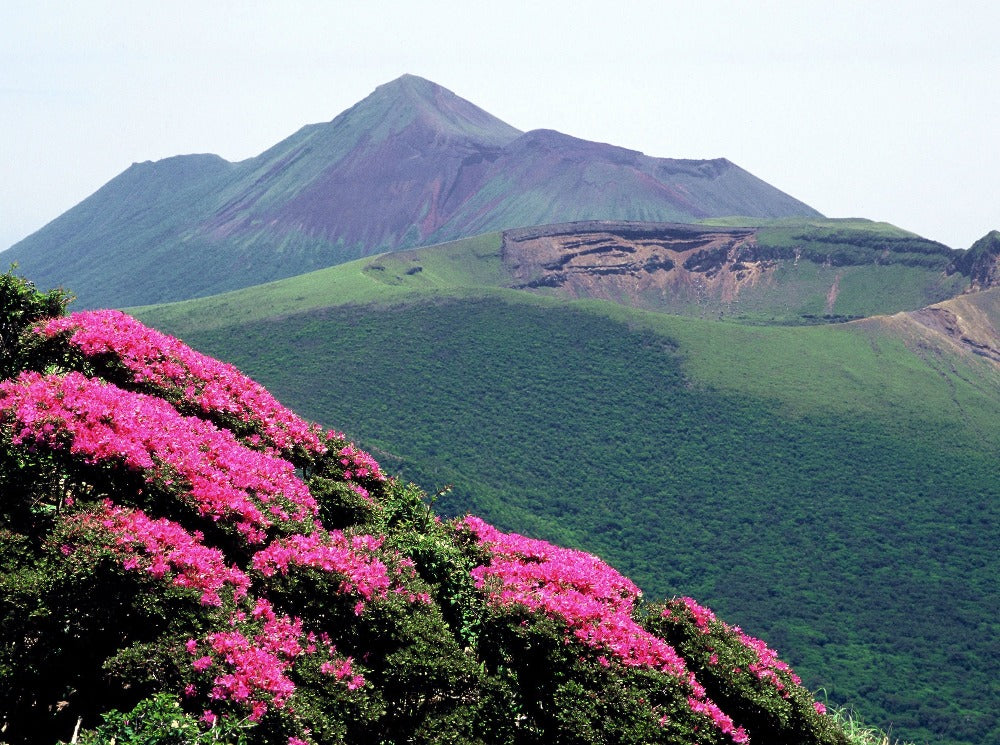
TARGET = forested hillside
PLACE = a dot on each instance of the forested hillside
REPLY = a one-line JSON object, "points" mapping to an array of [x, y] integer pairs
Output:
{"points": [[847, 469], [184, 560]]}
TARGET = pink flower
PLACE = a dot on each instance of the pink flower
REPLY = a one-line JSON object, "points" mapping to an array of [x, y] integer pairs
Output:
{"points": [[202, 663], [166, 550], [174, 369], [100, 423], [355, 558], [768, 667], [254, 659], [594, 601]]}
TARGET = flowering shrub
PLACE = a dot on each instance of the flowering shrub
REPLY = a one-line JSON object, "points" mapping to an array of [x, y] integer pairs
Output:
{"points": [[166, 364], [360, 470], [103, 423], [354, 558], [766, 667], [594, 600], [161, 556], [254, 670], [163, 549], [744, 674]]}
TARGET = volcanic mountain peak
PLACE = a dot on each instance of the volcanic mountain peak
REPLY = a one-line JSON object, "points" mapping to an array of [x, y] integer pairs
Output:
{"points": [[411, 164], [412, 100]]}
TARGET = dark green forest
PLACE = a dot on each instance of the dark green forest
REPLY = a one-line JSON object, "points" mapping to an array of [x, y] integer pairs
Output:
{"points": [[860, 543]]}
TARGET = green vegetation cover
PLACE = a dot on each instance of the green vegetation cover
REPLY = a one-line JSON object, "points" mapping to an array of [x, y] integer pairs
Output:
{"points": [[184, 560], [833, 486]]}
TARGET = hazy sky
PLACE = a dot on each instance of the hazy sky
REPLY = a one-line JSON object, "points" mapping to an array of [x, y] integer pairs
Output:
{"points": [[885, 110]]}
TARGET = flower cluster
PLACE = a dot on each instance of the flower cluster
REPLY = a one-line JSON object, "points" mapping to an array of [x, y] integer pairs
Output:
{"points": [[594, 600], [253, 670], [767, 666], [164, 362], [104, 423], [359, 469], [164, 549], [354, 557]]}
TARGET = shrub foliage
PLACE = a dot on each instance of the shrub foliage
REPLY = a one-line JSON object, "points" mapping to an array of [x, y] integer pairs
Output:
{"points": [[184, 560]]}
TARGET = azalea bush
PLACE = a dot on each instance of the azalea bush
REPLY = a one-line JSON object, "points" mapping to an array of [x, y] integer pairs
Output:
{"points": [[183, 559]]}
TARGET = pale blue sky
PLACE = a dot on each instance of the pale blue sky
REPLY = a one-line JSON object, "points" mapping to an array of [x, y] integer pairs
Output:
{"points": [[885, 110]]}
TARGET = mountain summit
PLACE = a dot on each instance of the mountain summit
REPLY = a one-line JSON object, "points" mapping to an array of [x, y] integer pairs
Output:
{"points": [[413, 101], [412, 164]]}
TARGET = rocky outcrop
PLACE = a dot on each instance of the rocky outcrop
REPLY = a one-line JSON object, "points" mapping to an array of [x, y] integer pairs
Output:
{"points": [[965, 324], [615, 259], [982, 262]]}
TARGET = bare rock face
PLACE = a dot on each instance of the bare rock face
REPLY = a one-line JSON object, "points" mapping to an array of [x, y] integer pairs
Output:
{"points": [[983, 262], [612, 260], [966, 324]]}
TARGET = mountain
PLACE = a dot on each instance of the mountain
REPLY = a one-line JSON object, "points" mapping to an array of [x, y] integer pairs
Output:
{"points": [[831, 484], [982, 261], [412, 164]]}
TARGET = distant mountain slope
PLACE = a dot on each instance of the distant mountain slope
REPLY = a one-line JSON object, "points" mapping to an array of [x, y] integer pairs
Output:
{"points": [[849, 469], [789, 271], [782, 271], [982, 261], [412, 164]]}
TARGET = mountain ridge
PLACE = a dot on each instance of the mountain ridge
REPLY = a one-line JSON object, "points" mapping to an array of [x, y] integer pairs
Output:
{"points": [[411, 164]]}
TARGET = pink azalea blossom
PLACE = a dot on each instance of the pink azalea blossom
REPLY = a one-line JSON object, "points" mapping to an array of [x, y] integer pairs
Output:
{"points": [[167, 364], [165, 549], [594, 601], [767, 665], [254, 662], [102, 423], [356, 559]]}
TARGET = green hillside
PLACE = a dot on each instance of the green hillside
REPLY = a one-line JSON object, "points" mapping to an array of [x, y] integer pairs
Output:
{"points": [[185, 561], [830, 486], [876, 268]]}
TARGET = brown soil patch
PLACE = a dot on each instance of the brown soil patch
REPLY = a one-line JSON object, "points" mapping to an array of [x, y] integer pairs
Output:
{"points": [[967, 323], [964, 322]]}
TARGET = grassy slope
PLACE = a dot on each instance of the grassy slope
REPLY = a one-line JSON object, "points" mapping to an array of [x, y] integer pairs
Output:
{"points": [[826, 486], [473, 265]]}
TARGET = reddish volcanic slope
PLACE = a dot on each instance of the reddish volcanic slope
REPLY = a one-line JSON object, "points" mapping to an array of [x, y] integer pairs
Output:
{"points": [[412, 164]]}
